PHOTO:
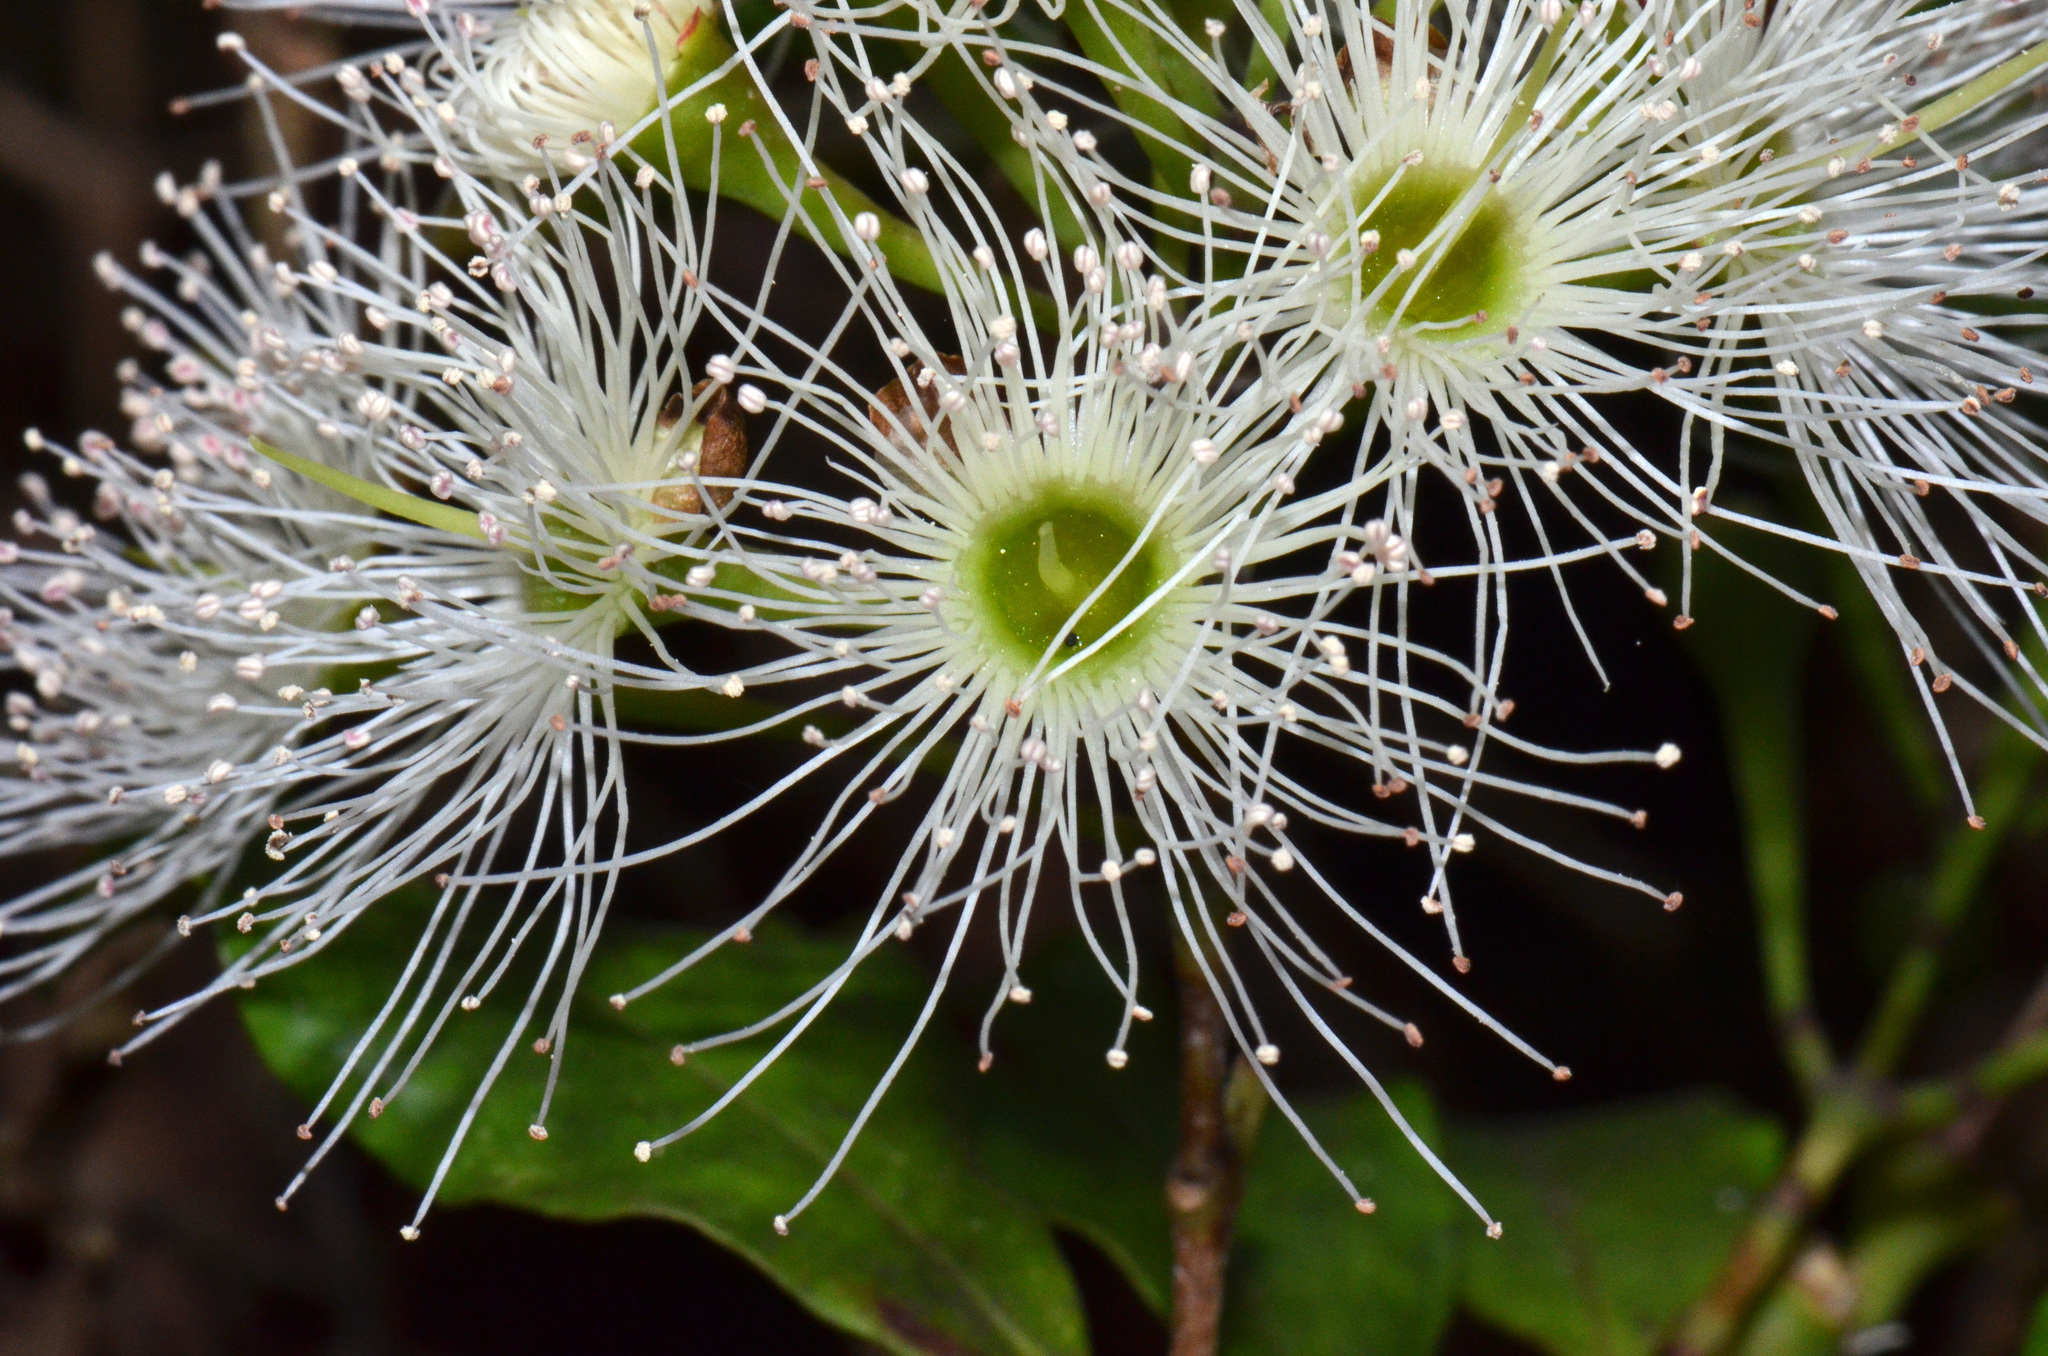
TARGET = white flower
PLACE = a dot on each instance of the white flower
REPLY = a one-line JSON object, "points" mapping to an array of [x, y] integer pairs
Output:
{"points": [[147, 654], [538, 94], [235, 697], [1083, 625], [1007, 581], [534, 85], [1879, 330], [547, 72]]}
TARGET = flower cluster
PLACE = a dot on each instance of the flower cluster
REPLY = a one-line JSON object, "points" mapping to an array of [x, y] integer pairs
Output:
{"points": [[1128, 495], [1811, 229]]}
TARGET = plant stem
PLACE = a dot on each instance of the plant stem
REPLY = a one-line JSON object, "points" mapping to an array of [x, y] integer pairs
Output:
{"points": [[1957, 103], [1765, 745], [1984, 88], [1221, 1102], [1532, 85], [1843, 1123], [1962, 1103]]}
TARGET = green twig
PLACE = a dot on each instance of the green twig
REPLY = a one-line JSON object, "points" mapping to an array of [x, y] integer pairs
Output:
{"points": [[1958, 877], [1983, 89], [397, 503], [1828, 1295], [745, 176], [952, 79], [1118, 43], [1532, 86], [1759, 686], [1765, 745], [1926, 1106], [1843, 1124]]}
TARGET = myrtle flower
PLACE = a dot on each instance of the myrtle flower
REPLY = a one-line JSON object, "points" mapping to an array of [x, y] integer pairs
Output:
{"points": [[1073, 550], [1389, 236], [521, 89], [145, 651], [1865, 305], [366, 616], [537, 94], [123, 740], [1807, 228], [1097, 599]]}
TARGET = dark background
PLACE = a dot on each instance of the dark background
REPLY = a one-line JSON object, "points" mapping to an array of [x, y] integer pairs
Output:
{"points": [[135, 1211]]}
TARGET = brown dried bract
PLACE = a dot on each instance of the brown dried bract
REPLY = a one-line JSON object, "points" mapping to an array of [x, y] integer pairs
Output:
{"points": [[906, 423], [1383, 54], [722, 453]]}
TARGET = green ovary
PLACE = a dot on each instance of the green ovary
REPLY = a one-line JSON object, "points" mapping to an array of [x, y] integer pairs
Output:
{"points": [[1033, 564], [1480, 270]]}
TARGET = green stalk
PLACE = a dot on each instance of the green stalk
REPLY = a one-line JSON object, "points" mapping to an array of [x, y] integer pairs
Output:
{"points": [[1984, 88], [1259, 69], [746, 177], [1765, 748], [397, 503], [1532, 84], [541, 597], [1965, 859], [1883, 1269], [1959, 103], [952, 79], [1939, 1101], [1759, 688], [1117, 43]]}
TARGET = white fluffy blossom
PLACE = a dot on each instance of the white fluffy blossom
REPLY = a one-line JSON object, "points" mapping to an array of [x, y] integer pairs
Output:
{"points": [[1098, 583], [1094, 623], [386, 654]]}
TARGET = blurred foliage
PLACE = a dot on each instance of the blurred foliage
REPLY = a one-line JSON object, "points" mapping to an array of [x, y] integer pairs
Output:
{"points": [[1309, 1275], [936, 1237], [2037, 1332], [1617, 1216]]}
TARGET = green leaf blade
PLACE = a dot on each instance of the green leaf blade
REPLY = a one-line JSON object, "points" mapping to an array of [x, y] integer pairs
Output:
{"points": [[911, 1248], [1309, 1275], [1616, 1218]]}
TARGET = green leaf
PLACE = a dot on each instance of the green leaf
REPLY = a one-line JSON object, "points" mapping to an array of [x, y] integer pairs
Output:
{"points": [[1616, 1218], [1087, 1144], [911, 1247], [2037, 1332], [397, 503], [1309, 1275]]}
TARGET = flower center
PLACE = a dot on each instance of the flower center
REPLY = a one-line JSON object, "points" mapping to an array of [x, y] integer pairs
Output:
{"points": [[561, 70], [1033, 565], [1470, 271]]}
